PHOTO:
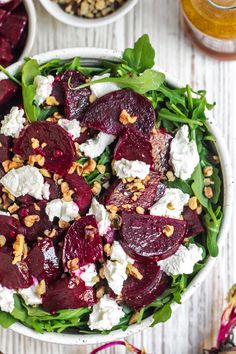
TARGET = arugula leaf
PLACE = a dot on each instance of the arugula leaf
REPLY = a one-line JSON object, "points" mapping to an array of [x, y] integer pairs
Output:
{"points": [[10, 76], [162, 315], [216, 186], [198, 186], [142, 56], [6, 319], [182, 185], [213, 222], [19, 311]]}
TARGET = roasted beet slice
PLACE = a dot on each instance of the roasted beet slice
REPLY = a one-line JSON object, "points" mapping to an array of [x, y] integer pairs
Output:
{"points": [[82, 192], [160, 150], [59, 152], [3, 13], [138, 293], [6, 55], [13, 27], [54, 189], [5, 145], [194, 223], [43, 262], [85, 135], [75, 101], [7, 90], [104, 113], [144, 237], [120, 194], [38, 228], [83, 241], [68, 293], [10, 227], [11, 5], [13, 276], [133, 145]]}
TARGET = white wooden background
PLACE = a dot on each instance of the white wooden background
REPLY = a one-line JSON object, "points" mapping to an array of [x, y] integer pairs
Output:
{"points": [[194, 325]]}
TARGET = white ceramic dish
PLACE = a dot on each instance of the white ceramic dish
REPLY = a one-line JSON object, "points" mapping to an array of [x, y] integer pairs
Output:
{"points": [[93, 53], [56, 11], [30, 9]]}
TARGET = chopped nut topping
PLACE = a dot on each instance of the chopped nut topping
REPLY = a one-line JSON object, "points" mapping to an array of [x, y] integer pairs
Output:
{"points": [[100, 292], [63, 224], [134, 318], [72, 168], [208, 182], [199, 209], [18, 248], [67, 195], [96, 190], [168, 230], [6, 201], [92, 98], [43, 145], [170, 176], [216, 159], [170, 206], [65, 187], [9, 165], [29, 220], [89, 166], [79, 169], [102, 272], [208, 171], [101, 168], [125, 118], [51, 101], [134, 272], [17, 158], [36, 207], [51, 233], [90, 232], [126, 206], [2, 240], [140, 210], [112, 209], [45, 172], [36, 158], [35, 143], [14, 207], [107, 249], [116, 221], [208, 191], [192, 203], [154, 131], [41, 288], [73, 264]]}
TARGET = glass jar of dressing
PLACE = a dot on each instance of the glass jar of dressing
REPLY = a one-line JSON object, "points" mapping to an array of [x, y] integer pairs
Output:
{"points": [[211, 25]]}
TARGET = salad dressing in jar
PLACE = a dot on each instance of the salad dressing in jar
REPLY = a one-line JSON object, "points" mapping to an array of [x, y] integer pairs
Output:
{"points": [[211, 25]]}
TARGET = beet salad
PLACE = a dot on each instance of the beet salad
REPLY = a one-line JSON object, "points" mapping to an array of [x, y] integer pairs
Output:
{"points": [[110, 193]]}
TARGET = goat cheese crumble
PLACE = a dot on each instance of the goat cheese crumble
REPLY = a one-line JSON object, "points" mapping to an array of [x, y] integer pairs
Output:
{"points": [[87, 274], [43, 86], [71, 126], [171, 204], [96, 146], [103, 88], [13, 122], [105, 315], [59, 208], [125, 169], [184, 155], [101, 216], [25, 180], [30, 296], [7, 303], [183, 261]]}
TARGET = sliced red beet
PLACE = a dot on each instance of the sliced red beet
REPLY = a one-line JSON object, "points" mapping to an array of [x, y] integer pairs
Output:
{"points": [[82, 192], [7, 90], [83, 241], [6, 55], [43, 262], [104, 113], [138, 293], [54, 189], [160, 151], [38, 228], [68, 293], [86, 135], [143, 236], [59, 152], [3, 13], [5, 145], [11, 5], [13, 276], [75, 101], [13, 27], [194, 223], [118, 193], [10, 227], [133, 145]]}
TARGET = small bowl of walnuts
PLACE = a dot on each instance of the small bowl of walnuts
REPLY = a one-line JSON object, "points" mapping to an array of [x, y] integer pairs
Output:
{"points": [[88, 13]]}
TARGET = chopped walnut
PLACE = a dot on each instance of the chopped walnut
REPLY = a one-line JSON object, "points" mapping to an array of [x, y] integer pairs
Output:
{"points": [[18, 248], [192, 203], [134, 318], [89, 166], [39, 159], [208, 171], [41, 288], [127, 206], [107, 249], [45, 173], [168, 230], [140, 210], [72, 168], [51, 101], [199, 209], [51, 233], [63, 224], [92, 98], [96, 190], [170, 206], [208, 191], [36, 207], [101, 168], [35, 143], [30, 220], [134, 272], [73, 264], [116, 221], [170, 176], [9, 165], [2, 240], [125, 118], [112, 209], [13, 208]]}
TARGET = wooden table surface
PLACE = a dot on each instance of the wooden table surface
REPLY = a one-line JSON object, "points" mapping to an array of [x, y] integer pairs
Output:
{"points": [[194, 325]]}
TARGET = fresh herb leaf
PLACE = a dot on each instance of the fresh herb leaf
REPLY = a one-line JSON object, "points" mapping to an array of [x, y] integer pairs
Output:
{"points": [[6, 319], [162, 315], [198, 186], [213, 222], [10, 76]]}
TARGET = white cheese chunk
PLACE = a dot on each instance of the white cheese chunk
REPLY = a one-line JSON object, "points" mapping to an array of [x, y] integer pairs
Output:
{"points": [[125, 169], [103, 88], [96, 146], [43, 86], [171, 204], [119, 255], [6, 299], [30, 296], [87, 274], [24, 180], [13, 122], [183, 261], [59, 208], [4, 213], [101, 216], [105, 315], [184, 155], [71, 126]]}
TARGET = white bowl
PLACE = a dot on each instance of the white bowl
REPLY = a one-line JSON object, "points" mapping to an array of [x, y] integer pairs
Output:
{"points": [[56, 11], [62, 338], [30, 9]]}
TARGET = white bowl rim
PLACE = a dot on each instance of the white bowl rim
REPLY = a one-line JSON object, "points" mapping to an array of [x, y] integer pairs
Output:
{"points": [[57, 12], [79, 339], [31, 12]]}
